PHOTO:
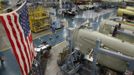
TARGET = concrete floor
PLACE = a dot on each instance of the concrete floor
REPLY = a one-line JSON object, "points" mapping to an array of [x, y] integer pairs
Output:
{"points": [[11, 66], [52, 67]]}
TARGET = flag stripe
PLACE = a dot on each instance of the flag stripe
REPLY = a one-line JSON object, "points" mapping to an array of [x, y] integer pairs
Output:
{"points": [[29, 44], [22, 35], [29, 47], [22, 40], [32, 46], [17, 42], [13, 44], [31, 50]]}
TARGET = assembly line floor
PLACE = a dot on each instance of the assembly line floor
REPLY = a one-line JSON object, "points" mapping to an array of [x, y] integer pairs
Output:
{"points": [[56, 40], [52, 67]]}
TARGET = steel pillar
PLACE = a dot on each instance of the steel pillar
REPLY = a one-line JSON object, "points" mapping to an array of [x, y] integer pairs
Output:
{"points": [[69, 38]]}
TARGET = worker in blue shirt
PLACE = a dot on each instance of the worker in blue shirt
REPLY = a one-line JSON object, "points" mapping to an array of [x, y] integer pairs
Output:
{"points": [[53, 27]]}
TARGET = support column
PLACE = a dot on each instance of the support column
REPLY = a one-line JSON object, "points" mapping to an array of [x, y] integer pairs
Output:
{"points": [[60, 3], [94, 67], [69, 38]]}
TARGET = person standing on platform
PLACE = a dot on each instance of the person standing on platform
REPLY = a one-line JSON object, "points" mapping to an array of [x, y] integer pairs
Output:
{"points": [[53, 29]]}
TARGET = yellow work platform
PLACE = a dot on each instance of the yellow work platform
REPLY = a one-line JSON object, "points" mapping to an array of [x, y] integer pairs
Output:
{"points": [[39, 18]]}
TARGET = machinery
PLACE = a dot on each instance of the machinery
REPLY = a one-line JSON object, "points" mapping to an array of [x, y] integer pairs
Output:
{"points": [[79, 2], [93, 53], [42, 53], [127, 15], [124, 32], [71, 63], [115, 21], [87, 6], [42, 49], [130, 8], [85, 40], [68, 9], [125, 11]]}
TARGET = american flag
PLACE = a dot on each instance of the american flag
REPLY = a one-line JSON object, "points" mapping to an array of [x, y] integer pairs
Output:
{"points": [[16, 25]]}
